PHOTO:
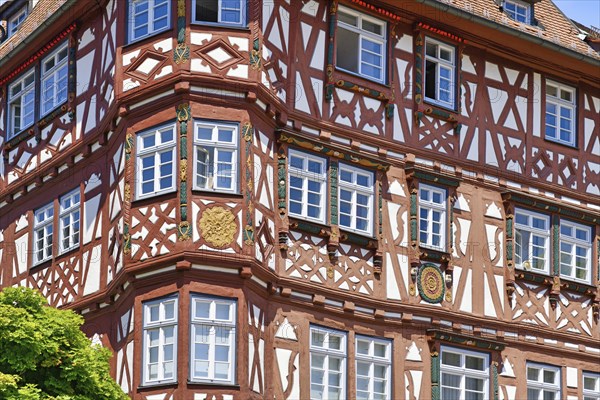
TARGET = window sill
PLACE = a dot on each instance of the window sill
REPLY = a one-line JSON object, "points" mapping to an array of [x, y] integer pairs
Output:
{"points": [[224, 385], [151, 197], [365, 78], [241, 28], [41, 265], [143, 40], [435, 255], [53, 113], [153, 385], [563, 144], [219, 193], [20, 137], [436, 111]]}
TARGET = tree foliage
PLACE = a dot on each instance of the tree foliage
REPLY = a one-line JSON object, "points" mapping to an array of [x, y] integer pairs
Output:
{"points": [[44, 355]]}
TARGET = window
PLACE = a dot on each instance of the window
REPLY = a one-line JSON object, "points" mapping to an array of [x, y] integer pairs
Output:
{"points": [[591, 386], [156, 162], [361, 42], [356, 199], [213, 339], [575, 251], [21, 104], [307, 190], [16, 20], [532, 232], [160, 341], [54, 79], [432, 217], [222, 12], [373, 368], [327, 364], [518, 10], [560, 113], [543, 382], [440, 73], [464, 374], [69, 220], [42, 233], [216, 157], [147, 17]]}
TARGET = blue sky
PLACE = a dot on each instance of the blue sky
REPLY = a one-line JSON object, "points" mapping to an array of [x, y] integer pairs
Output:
{"points": [[586, 12]]}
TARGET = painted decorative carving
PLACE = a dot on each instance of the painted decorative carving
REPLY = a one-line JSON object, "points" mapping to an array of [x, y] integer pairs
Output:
{"points": [[182, 50], [218, 226], [247, 130], [430, 282]]}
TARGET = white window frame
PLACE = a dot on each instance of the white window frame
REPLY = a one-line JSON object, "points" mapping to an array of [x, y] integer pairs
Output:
{"points": [[211, 325], [161, 325], [16, 20], [217, 146], [73, 213], [439, 64], [355, 189], [305, 175], [156, 150], [575, 243], [152, 5], [545, 233], [432, 207], [518, 6], [374, 361], [463, 371], [46, 228], [241, 23], [561, 104], [328, 354], [60, 67], [21, 98], [591, 394], [365, 35], [540, 384]]}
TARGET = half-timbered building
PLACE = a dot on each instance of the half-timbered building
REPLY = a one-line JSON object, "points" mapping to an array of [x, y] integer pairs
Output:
{"points": [[324, 199]]}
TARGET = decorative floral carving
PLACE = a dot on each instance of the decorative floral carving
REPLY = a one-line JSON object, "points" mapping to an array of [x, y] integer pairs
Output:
{"points": [[431, 283], [218, 226]]}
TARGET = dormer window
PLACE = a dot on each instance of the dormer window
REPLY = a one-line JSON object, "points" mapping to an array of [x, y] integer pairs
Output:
{"points": [[518, 10], [16, 20]]}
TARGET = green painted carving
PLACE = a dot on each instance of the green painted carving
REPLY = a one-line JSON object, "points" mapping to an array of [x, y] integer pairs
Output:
{"points": [[598, 259], [363, 241], [419, 68], [451, 337], [555, 244], [353, 87], [389, 110], [181, 53], [413, 215], [548, 207], [413, 229], [330, 47], [380, 196], [431, 283], [435, 376], [495, 380], [333, 181], [126, 239], [128, 146], [247, 130], [183, 112], [350, 157], [509, 251], [282, 180], [433, 178], [509, 226], [255, 58]]}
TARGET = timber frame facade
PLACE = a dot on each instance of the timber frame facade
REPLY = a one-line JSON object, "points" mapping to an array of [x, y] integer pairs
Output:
{"points": [[309, 198]]}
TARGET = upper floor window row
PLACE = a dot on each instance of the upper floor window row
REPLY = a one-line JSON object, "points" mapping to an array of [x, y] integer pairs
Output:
{"points": [[533, 246], [149, 17], [560, 113], [15, 21], [308, 191], [518, 10], [52, 75], [216, 159]]}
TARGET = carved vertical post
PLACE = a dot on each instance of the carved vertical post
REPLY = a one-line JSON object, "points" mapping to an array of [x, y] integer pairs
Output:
{"points": [[183, 116], [509, 272], [72, 74], [334, 237], [330, 49], [129, 140], [495, 387], [247, 131], [414, 258], [378, 258], [181, 53], [555, 290], [282, 196], [435, 373]]}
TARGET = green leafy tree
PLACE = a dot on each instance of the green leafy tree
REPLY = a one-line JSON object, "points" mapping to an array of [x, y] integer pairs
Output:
{"points": [[44, 355]]}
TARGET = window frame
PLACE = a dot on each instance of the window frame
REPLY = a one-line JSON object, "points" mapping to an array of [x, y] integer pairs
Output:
{"points": [[356, 189], [217, 146], [364, 35], [156, 150], [513, 14], [53, 73], [431, 206], [374, 360], [10, 28], [48, 221], [307, 176], [588, 245], [591, 394], [463, 371], [25, 90], [440, 62], [532, 231], [559, 103], [131, 27], [342, 354], [243, 15], [212, 323], [160, 325], [541, 385], [69, 211]]}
